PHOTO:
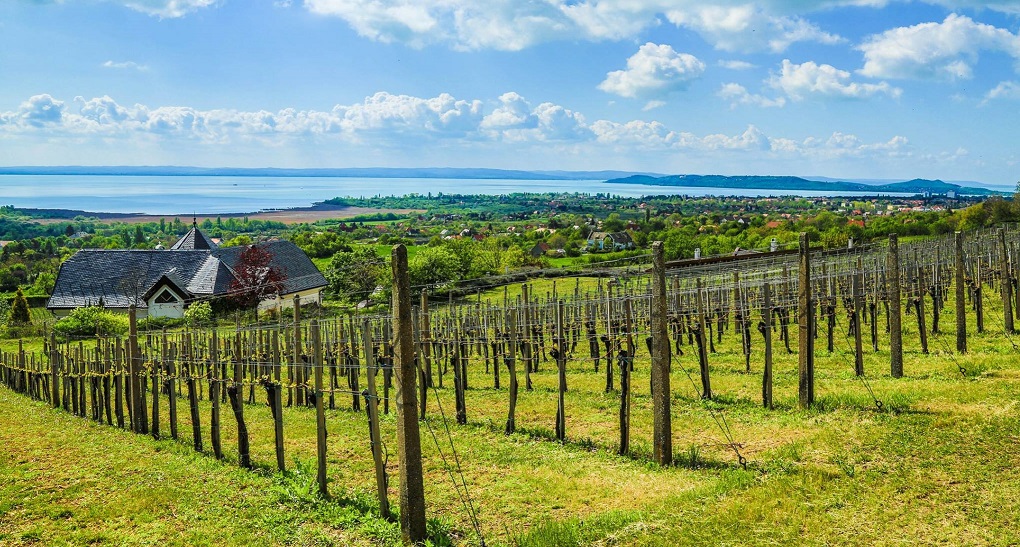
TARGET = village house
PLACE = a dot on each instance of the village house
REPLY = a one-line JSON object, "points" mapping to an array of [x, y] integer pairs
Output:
{"points": [[163, 283], [610, 241]]}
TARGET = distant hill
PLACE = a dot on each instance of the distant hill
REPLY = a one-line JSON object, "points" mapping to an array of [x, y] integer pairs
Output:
{"points": [[915, 186], [360, 172]]}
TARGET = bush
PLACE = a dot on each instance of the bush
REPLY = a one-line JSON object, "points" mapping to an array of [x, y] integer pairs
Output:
{"points": [[198, 314], [20, 314], [159, 323], [90, 321]]}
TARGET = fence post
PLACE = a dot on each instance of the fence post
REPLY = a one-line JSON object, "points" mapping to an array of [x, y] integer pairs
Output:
{"points": [[662, 436], [961, 303], [1005, 284], [806, 347], [511, 365], [561, 372], [706, 384], [54, 372], [297, 375], [766, 330], [320, 412], [892, 267], [137, 383], [858, 299], [412, 489], [235, 392], [372, 408]]}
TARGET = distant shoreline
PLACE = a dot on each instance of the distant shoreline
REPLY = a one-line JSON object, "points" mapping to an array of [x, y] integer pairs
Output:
{"points": [[295, 215]]}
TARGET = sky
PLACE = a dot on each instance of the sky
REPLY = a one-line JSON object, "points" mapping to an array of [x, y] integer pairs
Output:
{"points": [[880, 89]]}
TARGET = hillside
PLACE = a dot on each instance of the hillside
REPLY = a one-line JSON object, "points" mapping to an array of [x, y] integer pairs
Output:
{"points": [[915, 186]]}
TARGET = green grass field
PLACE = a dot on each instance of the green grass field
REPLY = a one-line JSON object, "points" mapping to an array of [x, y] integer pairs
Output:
{"points": [[936, 465]]}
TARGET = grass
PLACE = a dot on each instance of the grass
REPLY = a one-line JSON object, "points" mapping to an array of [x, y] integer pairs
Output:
{"points": [[936, 465]]}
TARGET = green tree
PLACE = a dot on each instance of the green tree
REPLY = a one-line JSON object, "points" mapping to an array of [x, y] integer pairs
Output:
{"points": [[20, 314], [433, 266], [353, 275]]}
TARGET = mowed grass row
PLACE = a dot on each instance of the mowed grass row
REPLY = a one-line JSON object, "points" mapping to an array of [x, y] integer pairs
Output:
{"points": [[937, 464]]}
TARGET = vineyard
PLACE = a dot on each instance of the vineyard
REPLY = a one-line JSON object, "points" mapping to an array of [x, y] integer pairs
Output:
{"points": [[608, 397]]}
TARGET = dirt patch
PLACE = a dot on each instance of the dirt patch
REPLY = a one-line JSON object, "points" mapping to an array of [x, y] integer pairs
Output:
{"points": [[287, 216]]}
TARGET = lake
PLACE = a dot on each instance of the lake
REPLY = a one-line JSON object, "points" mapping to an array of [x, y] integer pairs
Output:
{"points": [[184, 195]]}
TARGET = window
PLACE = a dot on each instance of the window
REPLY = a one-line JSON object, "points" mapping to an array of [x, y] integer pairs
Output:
{"points": [[166, 297]]}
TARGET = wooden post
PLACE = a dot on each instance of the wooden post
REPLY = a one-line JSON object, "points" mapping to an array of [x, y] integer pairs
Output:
{"points": [[171, 384], [54, 372], [425, 342], [892, 275], [412, 489], [766, 331], [297, 369], [372, 407], [511, 365], [320, 412], [140, 419], [806, 347], [235, 392], [215, 386], [561, 369], [662, 434], [190, 358], [858, 299], [961, 303], [706, 384], [1005, 284], [277, 403]]}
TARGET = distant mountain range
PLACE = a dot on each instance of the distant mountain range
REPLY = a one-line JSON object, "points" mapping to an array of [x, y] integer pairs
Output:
{"points": [[360, 172], [915, 186]]}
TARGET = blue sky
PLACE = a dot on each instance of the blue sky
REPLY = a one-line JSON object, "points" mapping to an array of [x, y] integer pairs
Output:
{"points": [[839, 88]]}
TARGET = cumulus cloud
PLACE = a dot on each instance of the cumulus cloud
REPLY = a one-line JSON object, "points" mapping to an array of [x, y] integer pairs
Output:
{"points": [[940, 51], [37, 111], [387, 121], [737, 94], [748, 27], [655, 70], [812, 79], [732, 25]]}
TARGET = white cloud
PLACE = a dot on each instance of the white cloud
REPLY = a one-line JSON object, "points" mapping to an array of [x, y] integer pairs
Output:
{"points": [[655, 70], [1005, 90], [384, 122], [736, 65], [748, 27], [811, 79], [732, 25], [168, 8], [943, 51], [737, 94], [125, 65], [652, 105]]}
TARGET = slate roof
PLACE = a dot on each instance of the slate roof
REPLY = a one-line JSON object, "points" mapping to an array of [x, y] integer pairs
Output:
{"points": [[120, 278], [194, 240], [299, 272]]}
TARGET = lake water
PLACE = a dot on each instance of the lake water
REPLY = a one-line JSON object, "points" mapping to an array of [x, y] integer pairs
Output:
{"points": [[184, 195]]}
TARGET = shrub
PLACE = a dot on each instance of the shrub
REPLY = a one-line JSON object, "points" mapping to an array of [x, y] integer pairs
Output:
{"points": [[199, 313], [159, 323], [90, 321], [20, 315]]}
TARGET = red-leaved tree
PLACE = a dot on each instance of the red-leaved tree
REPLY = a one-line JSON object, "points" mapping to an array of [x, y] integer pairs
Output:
{"points": [[255, 279]]}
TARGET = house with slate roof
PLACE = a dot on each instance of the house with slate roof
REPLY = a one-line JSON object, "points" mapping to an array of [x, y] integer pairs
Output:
{"points": [[162, 283]]}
